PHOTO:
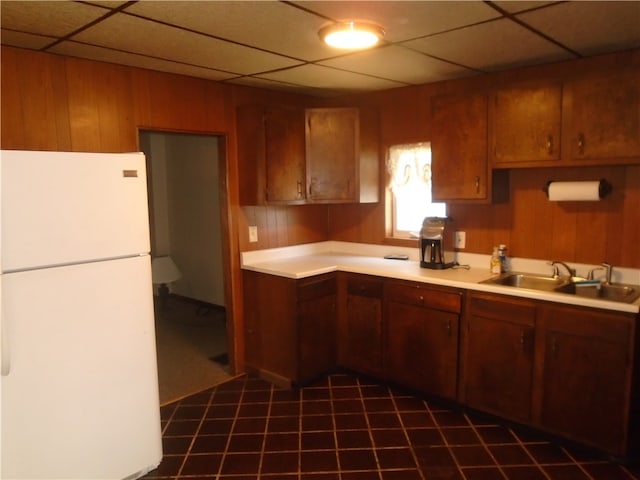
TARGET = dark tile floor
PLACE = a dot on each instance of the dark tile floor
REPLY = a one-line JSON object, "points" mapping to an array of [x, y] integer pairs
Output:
{"points": [[346, 427]]}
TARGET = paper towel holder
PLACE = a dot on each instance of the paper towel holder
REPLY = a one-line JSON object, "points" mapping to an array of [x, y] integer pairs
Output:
{"points": [[604, 187]]}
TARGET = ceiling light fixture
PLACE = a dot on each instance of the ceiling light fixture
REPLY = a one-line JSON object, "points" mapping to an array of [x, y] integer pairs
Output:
{"points": [[351, 35]]}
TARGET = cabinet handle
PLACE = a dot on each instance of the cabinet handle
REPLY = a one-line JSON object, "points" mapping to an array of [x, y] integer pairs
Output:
{"points": [[299, 189], [478, 184], [550, 144], [554, 347], [522, 339], [448, 328], [581, 144]]}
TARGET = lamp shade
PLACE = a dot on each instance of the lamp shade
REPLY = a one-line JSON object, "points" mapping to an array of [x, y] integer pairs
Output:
{"points": [[164, 270]]}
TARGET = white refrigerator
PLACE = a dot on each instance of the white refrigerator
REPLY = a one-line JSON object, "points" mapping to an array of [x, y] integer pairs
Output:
{"points": [[79, 384]]}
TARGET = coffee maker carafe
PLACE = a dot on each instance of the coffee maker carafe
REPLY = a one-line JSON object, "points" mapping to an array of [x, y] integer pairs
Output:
{"points": [[431, 244]]}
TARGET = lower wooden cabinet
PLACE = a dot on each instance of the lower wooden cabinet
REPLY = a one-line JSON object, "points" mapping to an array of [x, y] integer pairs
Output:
{"points": [[360, 328], [586, 380], [421, 337], [567, 370], [497, 355], [571, 371], [290, 326]]}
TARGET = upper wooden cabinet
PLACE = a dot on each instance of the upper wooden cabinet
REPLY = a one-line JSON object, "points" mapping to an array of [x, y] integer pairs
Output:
{"points": [[342, 155], [289, 155], [602, 118], [459, 148], [271, 156], [525, 123], [593, 119]]}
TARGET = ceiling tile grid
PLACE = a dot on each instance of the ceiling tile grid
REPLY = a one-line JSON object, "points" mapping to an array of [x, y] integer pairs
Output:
{"points": [[275, 44]]}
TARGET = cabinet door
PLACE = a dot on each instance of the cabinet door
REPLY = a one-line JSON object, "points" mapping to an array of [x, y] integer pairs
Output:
{"points": [[332, 146], [498, 355], [317, 339], [285, 155], [363, 341], [499, 367], [586, 377], [584, 389], [271, 155], [603, 118], [525, 124], [459, 148], [421, 348]]}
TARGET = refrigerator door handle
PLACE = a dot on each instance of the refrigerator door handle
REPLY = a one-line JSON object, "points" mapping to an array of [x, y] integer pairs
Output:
{"points": [[5, 360]]}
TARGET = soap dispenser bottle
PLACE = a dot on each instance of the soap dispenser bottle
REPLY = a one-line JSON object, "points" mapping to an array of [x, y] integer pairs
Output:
{"points": [[495, 262]]}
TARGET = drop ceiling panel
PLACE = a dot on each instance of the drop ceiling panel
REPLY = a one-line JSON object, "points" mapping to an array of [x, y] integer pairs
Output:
{"points": [[590, 27], [274, 44], [283, 86], [494, 45], [269, 25], [399, 64], [520, 6], [25, 40], [134, 35], [81, 50], [323, 77], [403, 20], [48, 18]]}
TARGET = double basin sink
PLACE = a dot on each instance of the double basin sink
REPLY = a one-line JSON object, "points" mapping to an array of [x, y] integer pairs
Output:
{"points": [[615, 292]]}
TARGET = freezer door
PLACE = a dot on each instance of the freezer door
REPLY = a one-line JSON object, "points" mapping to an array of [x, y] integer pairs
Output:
{"points": [[81, 398], [60, 207]]}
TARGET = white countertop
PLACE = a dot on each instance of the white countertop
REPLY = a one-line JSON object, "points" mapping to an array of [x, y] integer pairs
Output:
{"points": [[306, 260]]}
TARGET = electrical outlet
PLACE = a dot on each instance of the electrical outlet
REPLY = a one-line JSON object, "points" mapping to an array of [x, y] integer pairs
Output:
{"points": [[460, 240], [253, 234]]}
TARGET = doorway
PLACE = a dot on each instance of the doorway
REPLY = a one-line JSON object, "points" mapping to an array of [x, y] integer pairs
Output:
{"points": [[184, 181]]}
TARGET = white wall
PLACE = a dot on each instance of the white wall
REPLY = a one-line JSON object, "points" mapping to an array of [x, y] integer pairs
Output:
{"points": [[186, 211]]}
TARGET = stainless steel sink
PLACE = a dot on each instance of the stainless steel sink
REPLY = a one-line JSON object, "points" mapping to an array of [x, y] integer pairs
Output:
{"points": [[531, 282], [616, 292]]}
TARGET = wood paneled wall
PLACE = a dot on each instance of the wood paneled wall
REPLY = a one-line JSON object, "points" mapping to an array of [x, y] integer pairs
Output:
{"points": [[530, 225], [51, 102]]}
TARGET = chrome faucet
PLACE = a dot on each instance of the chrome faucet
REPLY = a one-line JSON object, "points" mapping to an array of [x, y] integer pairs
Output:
{"points": [[608, 268], [591, 273], [556, 272]]}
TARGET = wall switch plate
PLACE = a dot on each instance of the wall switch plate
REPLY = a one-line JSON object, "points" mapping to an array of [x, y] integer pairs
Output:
{"points": [[460, 240], [253, 234]]}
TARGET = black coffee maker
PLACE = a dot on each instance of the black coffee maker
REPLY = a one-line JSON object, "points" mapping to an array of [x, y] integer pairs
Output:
{"points": [[431, 240]]}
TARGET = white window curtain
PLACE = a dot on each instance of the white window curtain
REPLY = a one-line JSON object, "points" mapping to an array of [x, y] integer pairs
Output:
{"points": [[409, 167]]}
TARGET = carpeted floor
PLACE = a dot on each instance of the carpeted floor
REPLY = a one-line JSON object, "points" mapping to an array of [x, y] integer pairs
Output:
{"points": [[191, 345]]}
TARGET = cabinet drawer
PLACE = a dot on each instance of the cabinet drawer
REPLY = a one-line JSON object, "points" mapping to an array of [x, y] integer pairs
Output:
{"points": [[499, 308], [424, 297], [317, 287], [614, 327], [364, 286]]}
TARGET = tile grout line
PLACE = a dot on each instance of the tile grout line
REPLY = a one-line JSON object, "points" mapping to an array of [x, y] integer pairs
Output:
{"points": [[195, 434], [335, 429], [406, 434], [366, 416], [233, 424]]}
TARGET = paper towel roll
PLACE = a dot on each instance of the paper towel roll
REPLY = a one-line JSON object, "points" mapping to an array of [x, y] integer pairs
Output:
{"points": [[574, 191]]}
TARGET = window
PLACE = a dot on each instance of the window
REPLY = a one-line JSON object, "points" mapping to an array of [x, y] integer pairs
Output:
{"points": [[409, 168]]}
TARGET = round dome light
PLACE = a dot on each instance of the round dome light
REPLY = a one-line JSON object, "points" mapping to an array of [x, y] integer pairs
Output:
{"points": [[351, 35]]}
